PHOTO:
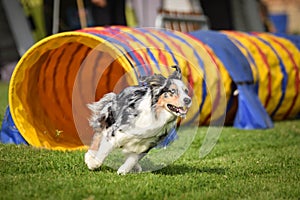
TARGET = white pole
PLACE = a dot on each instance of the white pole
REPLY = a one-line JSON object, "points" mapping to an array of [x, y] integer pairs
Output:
{"points": [[55, 22]]}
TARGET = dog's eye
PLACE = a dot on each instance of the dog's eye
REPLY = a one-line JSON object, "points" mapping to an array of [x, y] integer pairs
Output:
{"points": [[186, 91], [173, 91]]}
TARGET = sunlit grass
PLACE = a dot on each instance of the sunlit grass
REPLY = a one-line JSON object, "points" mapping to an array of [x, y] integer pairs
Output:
{"points": [[3, 99], [259, 164], [252, 164]]}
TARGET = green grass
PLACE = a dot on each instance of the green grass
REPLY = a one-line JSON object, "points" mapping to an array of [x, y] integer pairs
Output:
{"points": [[257, 164], [3, 99], [260, 164]]}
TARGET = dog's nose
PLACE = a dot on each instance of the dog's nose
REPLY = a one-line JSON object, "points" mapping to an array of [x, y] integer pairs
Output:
{"points": [[187, 101]]}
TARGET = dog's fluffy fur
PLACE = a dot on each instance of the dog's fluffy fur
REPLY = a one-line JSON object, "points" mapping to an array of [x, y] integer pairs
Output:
{"points": [[137, 119]]}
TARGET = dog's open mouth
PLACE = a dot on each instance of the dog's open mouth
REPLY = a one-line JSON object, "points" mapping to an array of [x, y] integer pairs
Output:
{"points": [[179, 111]]}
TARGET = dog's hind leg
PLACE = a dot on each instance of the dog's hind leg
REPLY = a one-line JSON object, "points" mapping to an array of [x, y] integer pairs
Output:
{"points": [[131, 163]]}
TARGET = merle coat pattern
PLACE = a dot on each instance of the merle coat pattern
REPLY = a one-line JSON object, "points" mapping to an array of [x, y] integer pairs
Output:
{"points": [[136, 119]]}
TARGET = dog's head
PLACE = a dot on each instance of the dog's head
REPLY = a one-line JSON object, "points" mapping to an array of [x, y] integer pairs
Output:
{"points": [[170, 93]]}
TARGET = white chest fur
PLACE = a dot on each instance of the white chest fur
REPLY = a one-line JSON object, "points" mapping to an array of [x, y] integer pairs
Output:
{"points": [[146, 129], [149, 123]]}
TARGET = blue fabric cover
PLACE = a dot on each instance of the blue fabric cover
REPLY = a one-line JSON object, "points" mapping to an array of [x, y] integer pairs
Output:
{"points": [[9, 132], [250, 114]]}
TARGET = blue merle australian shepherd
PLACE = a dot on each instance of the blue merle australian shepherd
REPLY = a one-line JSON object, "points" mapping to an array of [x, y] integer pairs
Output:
{"points": [[137, 119]]}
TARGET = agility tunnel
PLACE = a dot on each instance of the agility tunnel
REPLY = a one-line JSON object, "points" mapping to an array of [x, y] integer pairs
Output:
{"points": [[237, 78], [261, 65]]}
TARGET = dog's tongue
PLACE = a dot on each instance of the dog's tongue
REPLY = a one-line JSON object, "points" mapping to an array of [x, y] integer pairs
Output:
{"points": [[182, 111]]}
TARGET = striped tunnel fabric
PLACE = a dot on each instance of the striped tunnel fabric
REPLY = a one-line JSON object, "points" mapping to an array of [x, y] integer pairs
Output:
{"points": [[59, 75], [246, 79], [250, 114], [277, 65]]}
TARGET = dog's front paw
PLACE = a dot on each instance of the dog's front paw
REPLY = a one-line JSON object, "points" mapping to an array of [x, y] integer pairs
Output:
{"points": [[122, 171], [91, 161], [89, 155]]}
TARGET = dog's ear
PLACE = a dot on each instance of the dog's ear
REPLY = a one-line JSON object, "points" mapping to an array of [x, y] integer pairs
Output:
{"points": [[177, 74], [157, 83], [156, 80]]}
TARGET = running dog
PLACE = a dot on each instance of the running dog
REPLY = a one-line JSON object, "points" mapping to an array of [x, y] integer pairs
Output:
{"points": [[136, 119]]}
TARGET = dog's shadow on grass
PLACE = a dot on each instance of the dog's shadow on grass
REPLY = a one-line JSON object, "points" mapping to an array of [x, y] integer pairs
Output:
{"points": [[174, 170], [184, 169]]}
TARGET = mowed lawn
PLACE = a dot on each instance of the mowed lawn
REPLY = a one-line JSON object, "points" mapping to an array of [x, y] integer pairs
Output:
{"points": [[3, 99], [252, 164]]}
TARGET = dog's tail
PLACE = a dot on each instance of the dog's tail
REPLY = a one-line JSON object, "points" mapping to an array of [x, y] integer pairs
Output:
{"points": [[101, 110]]}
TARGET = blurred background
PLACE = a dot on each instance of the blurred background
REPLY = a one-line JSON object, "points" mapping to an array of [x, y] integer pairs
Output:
{"points": [[25, 22]]}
